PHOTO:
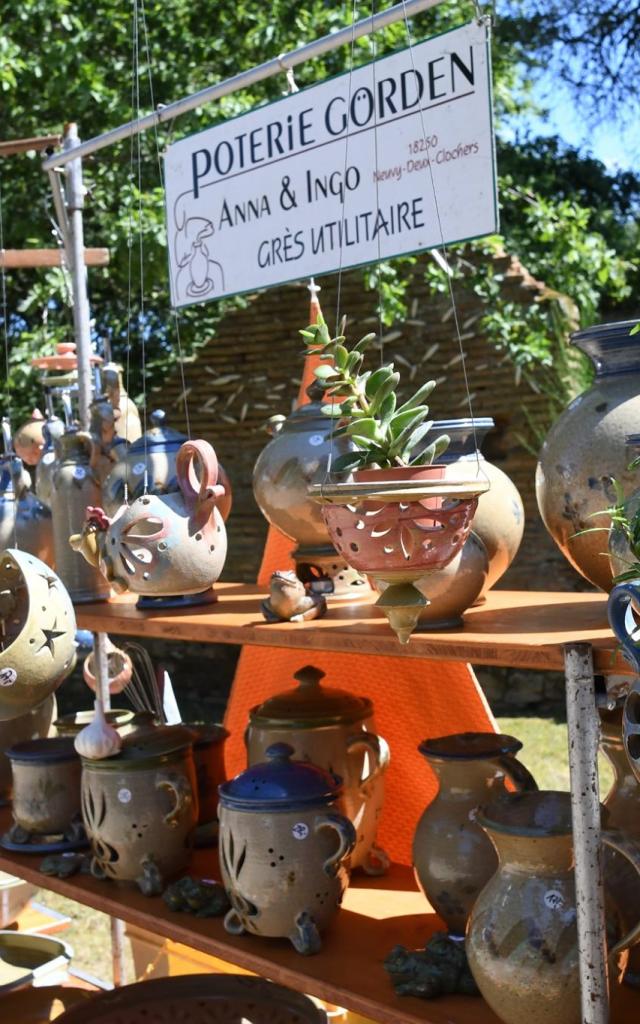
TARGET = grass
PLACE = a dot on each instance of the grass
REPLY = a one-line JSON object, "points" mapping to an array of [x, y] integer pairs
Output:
{"points": [[544, 753]]}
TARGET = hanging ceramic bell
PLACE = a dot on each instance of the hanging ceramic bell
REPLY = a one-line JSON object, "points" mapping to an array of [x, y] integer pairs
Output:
{"points": [[37, 631], [164, 546]]}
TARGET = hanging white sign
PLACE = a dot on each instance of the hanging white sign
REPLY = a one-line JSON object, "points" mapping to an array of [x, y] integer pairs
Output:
{"points": [[395, 158]]}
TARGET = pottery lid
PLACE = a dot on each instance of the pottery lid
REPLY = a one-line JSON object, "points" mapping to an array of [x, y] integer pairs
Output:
{"points": [[469, 746], [46, 750], [145, 746], [159, 437], [77, 720], [206, 733], [311, 704], [280, 784]]}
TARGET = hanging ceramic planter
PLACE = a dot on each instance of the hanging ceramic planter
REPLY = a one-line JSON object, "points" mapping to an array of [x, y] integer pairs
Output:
{"points": [[37, 633], [164, 546], [398, 526]]}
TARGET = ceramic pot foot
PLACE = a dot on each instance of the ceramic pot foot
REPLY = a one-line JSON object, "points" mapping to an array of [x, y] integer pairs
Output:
{"points": [[150, 882], [233, 923], [305, 938], [75, 833], [377, 862]]}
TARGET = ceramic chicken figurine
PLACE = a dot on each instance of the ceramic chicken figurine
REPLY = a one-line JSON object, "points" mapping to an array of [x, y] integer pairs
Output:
{"points": [[163, 545], [290, 601]]}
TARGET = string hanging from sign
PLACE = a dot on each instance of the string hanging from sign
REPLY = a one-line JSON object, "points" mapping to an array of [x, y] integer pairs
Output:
{"points": [[5, 337]]}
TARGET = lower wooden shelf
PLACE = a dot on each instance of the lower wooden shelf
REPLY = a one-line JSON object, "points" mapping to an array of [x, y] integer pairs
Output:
{"points": [[377, 914]]}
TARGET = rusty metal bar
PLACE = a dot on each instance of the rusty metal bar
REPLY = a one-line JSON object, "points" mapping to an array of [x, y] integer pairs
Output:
{"points": [[584, 733]]}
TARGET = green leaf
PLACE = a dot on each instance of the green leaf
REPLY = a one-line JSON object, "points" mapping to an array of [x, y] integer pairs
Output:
{"points": [[384, 389], [341, 356], [407, 419], [433, 452], [364, 343], [419, 396], [377, 379], [414, 439], [348, 461], [387, 410], [325, 373], [334, 411], [365, 427]]}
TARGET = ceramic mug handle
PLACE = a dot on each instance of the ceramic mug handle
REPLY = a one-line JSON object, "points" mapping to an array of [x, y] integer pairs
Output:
{"points": [[620, 598], [346, 835], [630, 850], [197, 472], [521, 777], [180, 788], [378, 750]]}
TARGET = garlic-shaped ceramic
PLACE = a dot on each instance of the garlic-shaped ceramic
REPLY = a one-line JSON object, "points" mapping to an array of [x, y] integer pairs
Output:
{"points": [[98, 739], [38, 633], [164, 545], [284, 850]]}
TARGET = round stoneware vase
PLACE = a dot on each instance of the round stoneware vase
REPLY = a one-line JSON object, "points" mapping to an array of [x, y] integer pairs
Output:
{"points": [[46, 787], [140, 808], [33, 725], [284, 849], [296, 457], [585, 448], [496, 534], [453, 858], [522, 942], [623, 806], [335, 730]]}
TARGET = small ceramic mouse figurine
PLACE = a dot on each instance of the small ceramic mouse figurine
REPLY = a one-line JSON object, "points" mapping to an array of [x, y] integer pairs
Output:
{"points": [[290, 601]]}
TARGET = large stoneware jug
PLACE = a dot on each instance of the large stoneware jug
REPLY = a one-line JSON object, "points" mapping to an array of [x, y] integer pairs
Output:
{"points": [[585, 448], [522, 941], [452, 857]]}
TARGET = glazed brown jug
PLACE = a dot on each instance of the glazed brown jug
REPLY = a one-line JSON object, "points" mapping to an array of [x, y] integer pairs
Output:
{"points": [[453, 859], [522, 941]]}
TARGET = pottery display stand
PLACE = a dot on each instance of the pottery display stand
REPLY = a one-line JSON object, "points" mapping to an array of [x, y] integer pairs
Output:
{"points": [[518, 629]]}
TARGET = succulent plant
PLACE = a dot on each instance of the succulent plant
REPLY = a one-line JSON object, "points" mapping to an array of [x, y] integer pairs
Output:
{"points": [[364, 404]]}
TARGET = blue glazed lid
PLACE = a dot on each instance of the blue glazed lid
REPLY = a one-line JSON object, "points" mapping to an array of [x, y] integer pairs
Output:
{"points": [[159, 438], [280, 784]]}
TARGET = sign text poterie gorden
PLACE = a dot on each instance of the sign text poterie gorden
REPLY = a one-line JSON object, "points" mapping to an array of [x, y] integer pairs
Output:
{"points": [[396, 158]]}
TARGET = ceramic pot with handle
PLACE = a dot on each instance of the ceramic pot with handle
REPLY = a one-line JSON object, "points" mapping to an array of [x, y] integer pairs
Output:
{"points": [[522, 941], [164, 545], [46, 788], [33, 725], [335, 730], [453, 858], [284, 849], [140, 808]]}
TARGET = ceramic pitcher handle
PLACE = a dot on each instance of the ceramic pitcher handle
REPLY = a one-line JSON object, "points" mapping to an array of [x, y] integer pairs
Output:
{"points": [[620, 598], [197, 472], [521, 777], [346, 835], [630, 850], [376, 747], [180, 787]]}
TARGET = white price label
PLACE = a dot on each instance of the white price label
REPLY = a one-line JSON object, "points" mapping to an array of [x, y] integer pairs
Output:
{"points": [[124, 795], [300, 830]]}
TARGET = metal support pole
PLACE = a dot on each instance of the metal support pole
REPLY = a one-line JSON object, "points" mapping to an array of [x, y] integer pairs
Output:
{"points": [[117, 952], [584, 732], [75, 257], [326, 44]]}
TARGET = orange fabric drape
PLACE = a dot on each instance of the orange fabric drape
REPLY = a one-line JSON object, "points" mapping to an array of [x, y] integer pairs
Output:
{"points": [[413, 699]]}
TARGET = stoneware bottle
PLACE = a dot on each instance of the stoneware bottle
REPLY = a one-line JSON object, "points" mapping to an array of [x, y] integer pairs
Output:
{"points": [[284, 849], [522, 942], [296, 457], [623, 806], [498, 526], [140, 808], [585, 448], [452, 857], [74, 487], [335, 730]]}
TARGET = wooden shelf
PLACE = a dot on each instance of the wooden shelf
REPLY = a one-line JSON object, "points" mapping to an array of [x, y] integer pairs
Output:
{"points": [[377, 914], [521, 629]]}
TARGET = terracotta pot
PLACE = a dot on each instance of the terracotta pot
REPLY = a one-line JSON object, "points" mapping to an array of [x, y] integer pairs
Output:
{"points": [[119, 665], [296, 457], [522, 942], [623, 807], [33, 725], [284, 850], [46, 786], [335, 730], [452, 857], [164, 545], [38, 650], [74, 487], [585, 448], [140, 808], [208, 757], [73, 723]]}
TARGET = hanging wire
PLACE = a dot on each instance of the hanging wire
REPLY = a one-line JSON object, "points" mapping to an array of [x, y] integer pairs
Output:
{"points": [[346, 157], [443, 247], [134, 33], [376, 165], [174, 310]]}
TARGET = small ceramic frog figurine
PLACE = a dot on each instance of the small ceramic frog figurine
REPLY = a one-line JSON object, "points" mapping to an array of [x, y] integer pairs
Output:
{"points": [[163, 545], [290, 601]]}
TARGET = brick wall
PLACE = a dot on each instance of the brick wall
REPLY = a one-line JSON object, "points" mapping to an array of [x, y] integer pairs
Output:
{"points": [[251, 370]]}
